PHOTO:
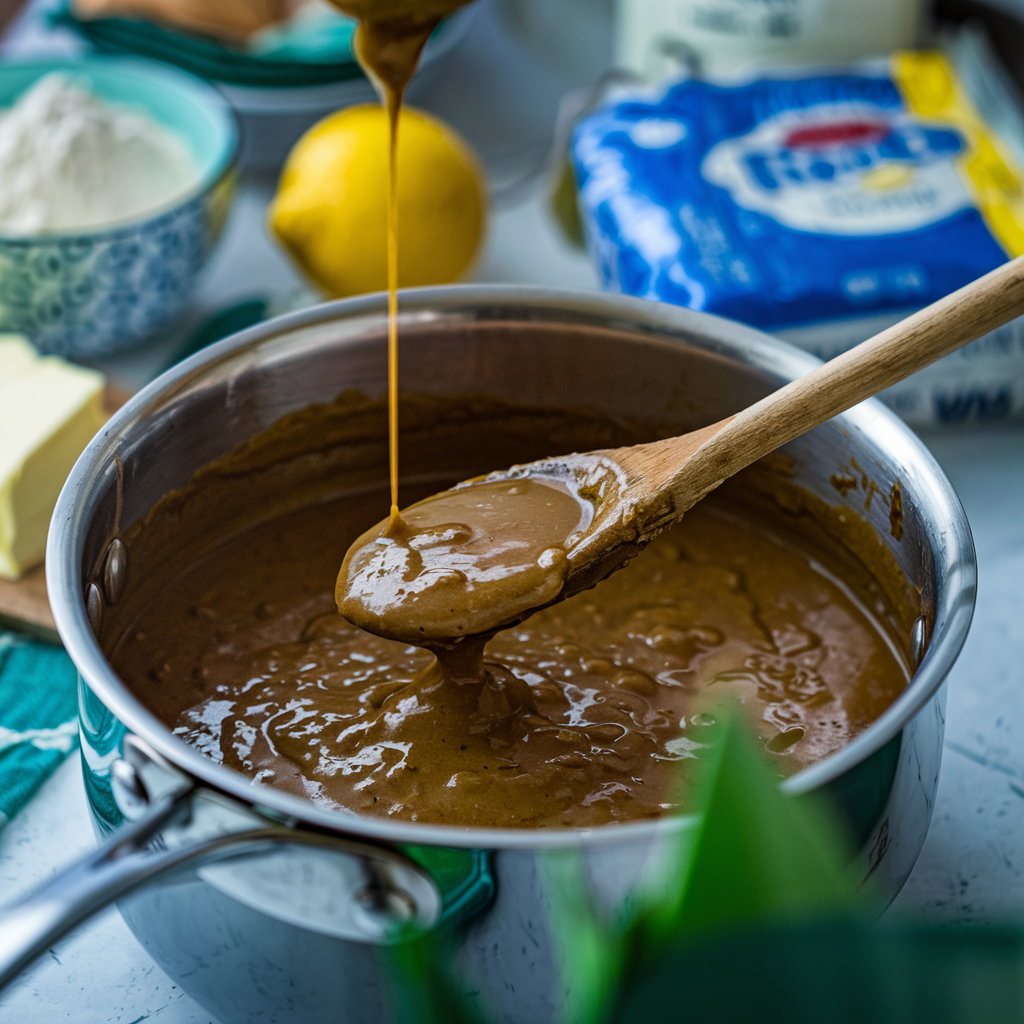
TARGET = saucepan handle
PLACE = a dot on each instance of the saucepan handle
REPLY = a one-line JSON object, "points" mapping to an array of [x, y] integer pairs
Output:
{"points": [[335, 885]]}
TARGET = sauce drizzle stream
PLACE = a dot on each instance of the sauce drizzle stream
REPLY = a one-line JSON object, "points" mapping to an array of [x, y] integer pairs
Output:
{"points": [[388, 43]]}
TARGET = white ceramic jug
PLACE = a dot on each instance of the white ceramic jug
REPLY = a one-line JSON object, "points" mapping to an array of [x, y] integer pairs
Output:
{"points": [[659, 38]]}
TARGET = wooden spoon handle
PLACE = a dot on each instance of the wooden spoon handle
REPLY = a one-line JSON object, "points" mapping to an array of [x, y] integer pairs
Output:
{"points": [[878, 363]]}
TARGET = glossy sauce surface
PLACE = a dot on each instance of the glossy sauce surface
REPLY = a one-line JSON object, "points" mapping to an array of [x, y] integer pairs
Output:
{"points": [[586, 709], [438, 572]]}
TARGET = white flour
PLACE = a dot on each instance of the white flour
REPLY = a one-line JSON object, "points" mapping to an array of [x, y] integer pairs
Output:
{"points": [[71, 161]]}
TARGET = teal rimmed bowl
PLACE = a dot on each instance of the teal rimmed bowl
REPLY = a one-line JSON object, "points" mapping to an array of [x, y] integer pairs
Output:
{"points": [[100, 290]]}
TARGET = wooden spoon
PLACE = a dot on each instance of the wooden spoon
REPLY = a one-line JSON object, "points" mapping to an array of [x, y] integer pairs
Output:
{"points": [[661, 480], [472, 561]]}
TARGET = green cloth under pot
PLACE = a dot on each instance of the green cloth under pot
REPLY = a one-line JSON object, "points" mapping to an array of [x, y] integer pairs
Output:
{"points": [[38, 716]]}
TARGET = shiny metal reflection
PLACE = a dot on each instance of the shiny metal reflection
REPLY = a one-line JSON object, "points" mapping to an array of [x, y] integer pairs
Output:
{"points": [[334, 889], [115, 571], [918, 640], [94, 607]]}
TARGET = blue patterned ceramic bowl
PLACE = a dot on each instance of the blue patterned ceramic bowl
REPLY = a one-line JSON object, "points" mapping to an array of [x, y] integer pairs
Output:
{"points": [[102, 290]]}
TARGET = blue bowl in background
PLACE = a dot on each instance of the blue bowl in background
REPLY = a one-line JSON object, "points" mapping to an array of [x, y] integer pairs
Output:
{"points": [[98, 291]]}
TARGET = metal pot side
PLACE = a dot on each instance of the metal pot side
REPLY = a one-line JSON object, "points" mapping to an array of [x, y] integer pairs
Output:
{"points": [[628, 357]]}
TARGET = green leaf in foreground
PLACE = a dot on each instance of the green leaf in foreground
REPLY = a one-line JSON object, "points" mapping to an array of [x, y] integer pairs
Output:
{"points": [[423, 989], [841, 972], [591, 949], [758, 855]]}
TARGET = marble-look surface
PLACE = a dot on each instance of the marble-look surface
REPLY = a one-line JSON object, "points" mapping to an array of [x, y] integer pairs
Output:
{"points": [[972, 865]]}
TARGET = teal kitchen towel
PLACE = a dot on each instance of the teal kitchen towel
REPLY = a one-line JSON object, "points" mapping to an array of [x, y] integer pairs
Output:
{"points": [[38, 716]]}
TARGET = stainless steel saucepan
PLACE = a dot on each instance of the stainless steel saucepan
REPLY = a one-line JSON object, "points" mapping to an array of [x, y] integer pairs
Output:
{"points": [[266, 907]]}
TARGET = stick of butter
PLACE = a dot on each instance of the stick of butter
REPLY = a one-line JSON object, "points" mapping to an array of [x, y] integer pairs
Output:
{"points": [[49, 411]]}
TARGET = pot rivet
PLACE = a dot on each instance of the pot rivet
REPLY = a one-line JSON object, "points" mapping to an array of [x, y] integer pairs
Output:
{"points": [[94, 607], [129, 790], [382, 911], [115, 571], [918, 640]]}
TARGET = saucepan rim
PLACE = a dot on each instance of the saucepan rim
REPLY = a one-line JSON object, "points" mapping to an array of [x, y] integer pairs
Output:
{"points": [[954, 549]]}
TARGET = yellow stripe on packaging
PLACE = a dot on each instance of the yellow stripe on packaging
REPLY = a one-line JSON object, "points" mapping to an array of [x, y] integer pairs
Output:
{"points": [[931, 90]]}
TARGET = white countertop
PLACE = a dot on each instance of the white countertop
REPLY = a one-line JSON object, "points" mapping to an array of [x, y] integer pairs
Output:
{"points": [[972, 866]]}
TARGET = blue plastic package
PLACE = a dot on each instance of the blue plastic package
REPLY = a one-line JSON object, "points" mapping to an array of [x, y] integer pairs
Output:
{"points": [[794, 200]]}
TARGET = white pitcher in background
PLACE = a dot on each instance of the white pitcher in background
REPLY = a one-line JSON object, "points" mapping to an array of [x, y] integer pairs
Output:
{"points": [[660, 38]]}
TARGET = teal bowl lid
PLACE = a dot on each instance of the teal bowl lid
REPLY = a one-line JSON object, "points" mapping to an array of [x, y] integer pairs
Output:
{"points": [[309, 51], [191, 108]]}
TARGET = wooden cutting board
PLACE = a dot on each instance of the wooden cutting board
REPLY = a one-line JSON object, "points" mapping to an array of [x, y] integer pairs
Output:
{"points": [[23, 605]]}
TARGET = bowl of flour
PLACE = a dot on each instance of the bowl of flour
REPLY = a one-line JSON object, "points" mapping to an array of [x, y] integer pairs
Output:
{"points": [[115, 179]]}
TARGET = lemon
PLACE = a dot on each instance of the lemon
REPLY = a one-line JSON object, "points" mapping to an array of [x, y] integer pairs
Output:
{"points": [[330, 211]]}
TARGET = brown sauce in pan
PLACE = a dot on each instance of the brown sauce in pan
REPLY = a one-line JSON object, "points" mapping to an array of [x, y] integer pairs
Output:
{"points": [[585, 711]]}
